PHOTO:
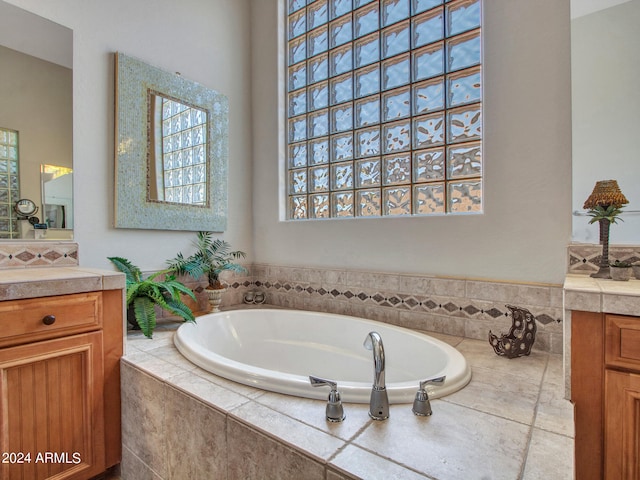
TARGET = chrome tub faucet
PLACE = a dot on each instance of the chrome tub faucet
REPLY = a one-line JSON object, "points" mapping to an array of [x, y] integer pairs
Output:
{"points": [[422, 404], [379, 403], [334, 410]]}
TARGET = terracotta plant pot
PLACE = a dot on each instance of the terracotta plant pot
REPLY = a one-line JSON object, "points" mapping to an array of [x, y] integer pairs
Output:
{"points": [[215, 298]]}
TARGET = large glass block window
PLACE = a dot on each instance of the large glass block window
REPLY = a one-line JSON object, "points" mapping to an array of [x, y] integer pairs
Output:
{"points": [[9, 183], [179, 146], [384, 107]]}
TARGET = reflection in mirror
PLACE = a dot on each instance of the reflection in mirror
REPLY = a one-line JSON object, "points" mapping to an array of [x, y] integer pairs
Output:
{"points": [[57, 196], [25, 208], [36, 113], [605, 67], [9, 183], [171, 151], [177, 151]]}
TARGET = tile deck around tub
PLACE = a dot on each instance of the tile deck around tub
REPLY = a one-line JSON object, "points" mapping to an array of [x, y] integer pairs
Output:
{"points": [[510, 422]]}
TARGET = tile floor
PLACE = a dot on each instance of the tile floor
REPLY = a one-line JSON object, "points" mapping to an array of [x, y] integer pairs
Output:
{"points": [[510, 422]]}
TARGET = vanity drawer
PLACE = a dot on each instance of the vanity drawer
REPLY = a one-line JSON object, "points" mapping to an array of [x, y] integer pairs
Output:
{"points": [[23, 321], [622, 345]]}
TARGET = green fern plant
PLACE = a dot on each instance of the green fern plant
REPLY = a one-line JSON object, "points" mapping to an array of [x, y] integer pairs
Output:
{"points": [[144, 293], [212, 257]]}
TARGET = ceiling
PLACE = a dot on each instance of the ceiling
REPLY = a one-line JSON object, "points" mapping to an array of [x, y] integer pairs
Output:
{"points": [[46, 40], [580, 8]]}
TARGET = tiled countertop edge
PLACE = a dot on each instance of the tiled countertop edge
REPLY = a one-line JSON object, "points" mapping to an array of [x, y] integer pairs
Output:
{"points": [[49, 281], [588, 294]]}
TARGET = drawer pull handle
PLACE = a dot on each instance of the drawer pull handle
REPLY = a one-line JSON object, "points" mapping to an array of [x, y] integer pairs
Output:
{"points": [[49, 320]]}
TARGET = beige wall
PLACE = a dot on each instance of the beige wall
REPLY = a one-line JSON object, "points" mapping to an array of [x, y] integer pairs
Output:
{"points": [[526, 226], [209, 44], [232, 46]]}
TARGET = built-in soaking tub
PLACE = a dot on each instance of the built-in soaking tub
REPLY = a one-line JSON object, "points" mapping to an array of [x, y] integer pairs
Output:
{"points": [[277, 350]]}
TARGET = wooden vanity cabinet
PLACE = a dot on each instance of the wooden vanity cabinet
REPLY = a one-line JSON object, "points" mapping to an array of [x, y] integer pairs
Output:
{"points": [[622, 397], [605, 386], [60, 385]]}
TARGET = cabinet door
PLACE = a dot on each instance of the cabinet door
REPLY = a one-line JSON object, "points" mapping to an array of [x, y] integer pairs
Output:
{"points": [[51, 409], [622, 425]]}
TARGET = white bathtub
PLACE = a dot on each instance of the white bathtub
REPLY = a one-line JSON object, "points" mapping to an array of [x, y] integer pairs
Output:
{"points": [[277, 350]]}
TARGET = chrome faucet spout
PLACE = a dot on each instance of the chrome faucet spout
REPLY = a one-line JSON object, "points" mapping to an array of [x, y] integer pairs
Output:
{"points": [[373, 342], [379, 403]]}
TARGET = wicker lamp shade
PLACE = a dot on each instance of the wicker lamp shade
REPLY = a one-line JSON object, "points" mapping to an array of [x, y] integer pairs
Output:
{"points": [[605, 193]]}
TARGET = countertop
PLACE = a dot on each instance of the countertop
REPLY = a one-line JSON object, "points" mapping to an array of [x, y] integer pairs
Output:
{"points": [[588, 294], [21, 283]]}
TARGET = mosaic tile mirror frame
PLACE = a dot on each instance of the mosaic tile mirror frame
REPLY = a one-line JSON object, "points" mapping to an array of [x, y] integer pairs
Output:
{"points": [[137, 85]]}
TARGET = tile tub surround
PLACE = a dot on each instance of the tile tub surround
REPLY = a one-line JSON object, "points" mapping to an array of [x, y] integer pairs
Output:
{"points": [[36, 254], [456, 306], [510, 422]]}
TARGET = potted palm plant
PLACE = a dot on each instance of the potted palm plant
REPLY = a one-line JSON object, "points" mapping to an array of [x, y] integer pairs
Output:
{"points": [[144, 293], [211, 258]]}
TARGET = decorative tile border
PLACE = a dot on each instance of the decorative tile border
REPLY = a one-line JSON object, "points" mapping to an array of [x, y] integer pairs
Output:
{"points": [[455, 306], [468, 308], [585, 258], [38, 254]]}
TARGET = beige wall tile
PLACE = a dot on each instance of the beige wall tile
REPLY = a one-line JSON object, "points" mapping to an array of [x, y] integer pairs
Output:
{"points": [[38, 254], [621, 304], [253, 455], [132, 467], [583, 301], [448, 287], [143, 430], [194, 452], [418, 285]]}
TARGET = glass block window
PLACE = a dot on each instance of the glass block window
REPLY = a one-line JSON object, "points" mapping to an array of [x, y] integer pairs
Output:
{"points": [[182, 177], [384, 107], [9, 183]]}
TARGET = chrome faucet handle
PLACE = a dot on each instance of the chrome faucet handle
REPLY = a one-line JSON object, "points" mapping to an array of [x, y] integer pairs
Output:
{"points": [[335, 410], [432, 381], [421, 404]]}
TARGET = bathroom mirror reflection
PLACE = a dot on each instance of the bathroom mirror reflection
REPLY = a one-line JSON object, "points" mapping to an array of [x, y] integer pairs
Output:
{"points": [[36, 117], [171, 150], [57, 196], [605, 66]]}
